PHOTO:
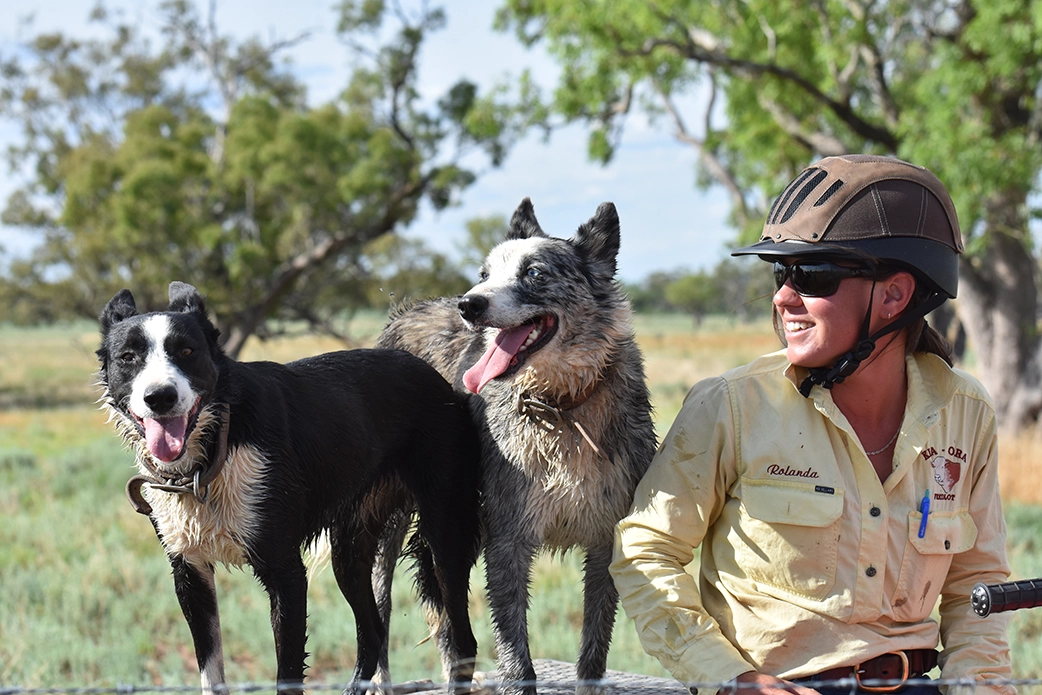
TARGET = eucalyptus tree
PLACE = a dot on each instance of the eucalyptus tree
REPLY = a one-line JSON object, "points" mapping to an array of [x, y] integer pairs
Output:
{"points": [[186, 154], [760, 88]]}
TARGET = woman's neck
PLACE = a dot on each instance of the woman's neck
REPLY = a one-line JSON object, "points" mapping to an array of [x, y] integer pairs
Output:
{"points": [[878, 389], [873, 401]]}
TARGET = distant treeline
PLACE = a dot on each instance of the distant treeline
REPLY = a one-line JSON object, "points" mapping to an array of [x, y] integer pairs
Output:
{"points": [[738, 288]]}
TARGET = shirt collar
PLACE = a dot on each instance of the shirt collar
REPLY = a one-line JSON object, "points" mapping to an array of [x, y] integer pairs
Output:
{"points": [[931, 384]]}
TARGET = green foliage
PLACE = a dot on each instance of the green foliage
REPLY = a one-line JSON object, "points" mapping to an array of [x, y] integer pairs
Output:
{"points": [[483, 233], [740, 288], [263, 202], [649, 295], [693, 294], [405, 270], [954, 87]]}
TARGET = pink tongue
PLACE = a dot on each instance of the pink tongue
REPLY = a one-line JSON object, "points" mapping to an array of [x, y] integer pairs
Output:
{"points": [[166, 437], [497, 359]]}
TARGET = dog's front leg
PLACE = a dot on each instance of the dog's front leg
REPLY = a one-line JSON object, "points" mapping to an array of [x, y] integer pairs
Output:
{"points": [[287, 588], [600, 603], [508, 568], [197, 595]]}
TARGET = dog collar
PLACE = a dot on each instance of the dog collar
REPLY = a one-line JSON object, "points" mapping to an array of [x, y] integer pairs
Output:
{"points": [[196, 483], [551, 415]]}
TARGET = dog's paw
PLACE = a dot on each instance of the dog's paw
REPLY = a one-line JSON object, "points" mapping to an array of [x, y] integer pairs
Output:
{"points": [[380, 683], [591, 688]]}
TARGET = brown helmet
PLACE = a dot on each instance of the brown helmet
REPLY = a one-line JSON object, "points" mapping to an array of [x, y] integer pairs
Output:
{"points": [[862, 206]]}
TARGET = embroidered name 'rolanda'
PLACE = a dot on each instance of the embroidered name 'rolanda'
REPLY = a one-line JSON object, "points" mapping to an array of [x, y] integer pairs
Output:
{"points": [[775, 469]]}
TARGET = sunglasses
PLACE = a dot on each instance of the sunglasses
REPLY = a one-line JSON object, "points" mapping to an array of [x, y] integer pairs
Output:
{"points": [[816, 278]]}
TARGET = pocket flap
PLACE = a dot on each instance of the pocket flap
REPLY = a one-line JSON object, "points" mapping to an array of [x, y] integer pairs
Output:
{"points": [[789, 502], [947, 533]]}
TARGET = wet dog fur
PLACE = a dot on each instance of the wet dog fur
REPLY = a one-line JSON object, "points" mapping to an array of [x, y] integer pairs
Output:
{"points": [[347, 443], [543, 347]]}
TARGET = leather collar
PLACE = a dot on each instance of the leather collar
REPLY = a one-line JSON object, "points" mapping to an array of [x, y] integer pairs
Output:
{"points": [[196, 482]]}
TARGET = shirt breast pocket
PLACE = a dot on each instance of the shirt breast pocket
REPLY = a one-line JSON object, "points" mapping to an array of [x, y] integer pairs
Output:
{"points": [[927, 559], [788, 535]]}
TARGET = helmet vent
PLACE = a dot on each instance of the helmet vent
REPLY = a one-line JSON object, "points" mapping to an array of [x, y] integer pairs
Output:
{"points": [[803, 193], [865, 207], [787, 193], [829, 193]]}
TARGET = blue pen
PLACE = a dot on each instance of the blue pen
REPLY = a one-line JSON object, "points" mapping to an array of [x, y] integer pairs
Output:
{"points": [[924, 509]]}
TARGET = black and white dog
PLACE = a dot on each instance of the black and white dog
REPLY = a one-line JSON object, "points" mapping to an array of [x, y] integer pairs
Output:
{"points": [[543, 348], [244, 463]]}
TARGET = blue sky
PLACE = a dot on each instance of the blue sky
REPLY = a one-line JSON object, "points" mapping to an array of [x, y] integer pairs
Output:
{"points": [[666, 222]]}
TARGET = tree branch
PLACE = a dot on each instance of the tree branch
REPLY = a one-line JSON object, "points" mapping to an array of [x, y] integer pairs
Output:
{"points": [[295, 267], [870, 54], [710, 53], [714, 166], [817, 141]]}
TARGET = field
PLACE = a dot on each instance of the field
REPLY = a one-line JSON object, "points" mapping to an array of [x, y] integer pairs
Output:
{"points": [[86, 594]]}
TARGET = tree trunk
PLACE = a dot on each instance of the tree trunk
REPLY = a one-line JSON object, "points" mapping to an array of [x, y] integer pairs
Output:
{"points": [[237, 336], [998, 306]]}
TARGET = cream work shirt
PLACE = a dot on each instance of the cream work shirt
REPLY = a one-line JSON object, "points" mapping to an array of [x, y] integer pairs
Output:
{"points": [[808, 562]]}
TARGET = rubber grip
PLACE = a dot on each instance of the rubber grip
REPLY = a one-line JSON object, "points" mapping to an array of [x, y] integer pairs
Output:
{"points": [[986, 599]]}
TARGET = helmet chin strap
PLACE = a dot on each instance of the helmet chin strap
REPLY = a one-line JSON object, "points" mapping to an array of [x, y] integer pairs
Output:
{"points": [[847, 364]]}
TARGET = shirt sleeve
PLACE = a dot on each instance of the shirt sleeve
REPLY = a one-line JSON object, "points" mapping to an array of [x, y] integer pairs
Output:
{"points": [[674, 505], [978, 648]]}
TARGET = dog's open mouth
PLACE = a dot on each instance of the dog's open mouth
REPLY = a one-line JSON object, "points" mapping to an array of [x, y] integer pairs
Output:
{"points": [[511, 347], [166, 436]]}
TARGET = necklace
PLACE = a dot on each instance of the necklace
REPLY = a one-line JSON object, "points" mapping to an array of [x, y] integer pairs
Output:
{"points": [[887, 445]]}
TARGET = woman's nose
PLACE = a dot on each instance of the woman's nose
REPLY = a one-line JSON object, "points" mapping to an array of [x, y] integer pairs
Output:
{"points": [[785, 295]]}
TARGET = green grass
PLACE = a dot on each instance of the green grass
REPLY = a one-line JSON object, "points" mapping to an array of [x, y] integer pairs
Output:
{"points": [[87, 597]]}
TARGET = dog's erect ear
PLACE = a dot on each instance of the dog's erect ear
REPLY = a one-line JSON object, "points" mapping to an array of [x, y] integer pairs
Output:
{"points": [[119, 308], [185, 298], [599, 239], [523, 224]]}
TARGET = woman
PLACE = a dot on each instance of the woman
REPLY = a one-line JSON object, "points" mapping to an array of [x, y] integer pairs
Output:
{"points": [[837, 487]]}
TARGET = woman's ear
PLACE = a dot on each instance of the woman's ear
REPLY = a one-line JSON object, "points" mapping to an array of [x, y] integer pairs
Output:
{"points": [[897, 293]]}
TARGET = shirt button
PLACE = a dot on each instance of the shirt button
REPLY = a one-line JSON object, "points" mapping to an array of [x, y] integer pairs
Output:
{"points": [[876, 511], [871, 571]]}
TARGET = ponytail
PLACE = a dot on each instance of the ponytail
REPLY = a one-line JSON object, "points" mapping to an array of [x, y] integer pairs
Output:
{"points": [[925, 338], [922, 337]]}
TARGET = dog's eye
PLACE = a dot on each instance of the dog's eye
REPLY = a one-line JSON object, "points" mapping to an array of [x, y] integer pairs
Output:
{"points": [[186, 352], [127, 357], [533, 273], [483, 275]]}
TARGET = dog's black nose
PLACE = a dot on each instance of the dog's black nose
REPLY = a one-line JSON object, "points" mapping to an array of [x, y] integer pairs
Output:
{"points": [[472, 306], [161, 399]]}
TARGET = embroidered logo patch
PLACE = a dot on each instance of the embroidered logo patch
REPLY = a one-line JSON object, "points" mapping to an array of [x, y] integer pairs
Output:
{"points": [[946, 472]]}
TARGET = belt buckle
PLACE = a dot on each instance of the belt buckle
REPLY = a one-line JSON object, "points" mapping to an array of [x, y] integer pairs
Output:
{"points": [[884, 688]]}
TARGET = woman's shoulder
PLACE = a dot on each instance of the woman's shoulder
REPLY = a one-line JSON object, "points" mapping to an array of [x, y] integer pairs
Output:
{"points": [[767, 371], [938, 376], [771, 364]]}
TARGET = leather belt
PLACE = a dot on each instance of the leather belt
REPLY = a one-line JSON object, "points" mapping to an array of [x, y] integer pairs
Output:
{"points": [[890, 670]]}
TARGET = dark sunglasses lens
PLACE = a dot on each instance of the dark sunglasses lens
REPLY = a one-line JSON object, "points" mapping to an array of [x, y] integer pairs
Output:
{"points": [[816, 279], [820, 279]]}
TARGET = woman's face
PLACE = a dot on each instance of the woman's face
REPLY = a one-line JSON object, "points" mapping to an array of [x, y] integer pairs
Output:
{"points": [[817, 330]]}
